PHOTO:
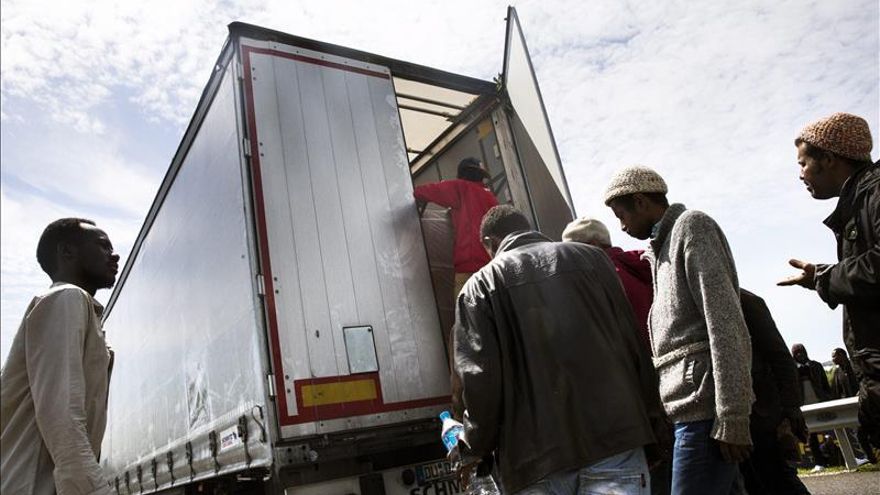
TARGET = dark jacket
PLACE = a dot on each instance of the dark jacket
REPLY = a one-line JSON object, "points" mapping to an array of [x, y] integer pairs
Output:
{"points": [[553, 375], [843, 381], [774, 375], [815, 373], [855, 280]]}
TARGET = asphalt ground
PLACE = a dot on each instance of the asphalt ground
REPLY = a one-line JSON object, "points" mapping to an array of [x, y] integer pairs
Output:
{"points": [[858, 483]]}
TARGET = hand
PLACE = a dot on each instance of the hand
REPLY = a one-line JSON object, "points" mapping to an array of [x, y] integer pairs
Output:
{"points": [[798, 425], [786, 440], [807, 277], [466, 474], [734, 453], [660, 452]]}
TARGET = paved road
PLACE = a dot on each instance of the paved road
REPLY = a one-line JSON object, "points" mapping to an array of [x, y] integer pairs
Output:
{"points": [[844, 484]]}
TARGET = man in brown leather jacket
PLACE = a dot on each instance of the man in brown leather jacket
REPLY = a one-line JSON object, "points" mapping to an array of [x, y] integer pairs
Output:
{"points": [[834, 155], [555, 382]]}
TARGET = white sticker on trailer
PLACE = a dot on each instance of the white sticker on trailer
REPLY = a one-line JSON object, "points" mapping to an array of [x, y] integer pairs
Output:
{"points": [[229, 438]]}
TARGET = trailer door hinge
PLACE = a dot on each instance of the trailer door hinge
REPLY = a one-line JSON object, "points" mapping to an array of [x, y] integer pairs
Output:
{"points": [[246, 146], [261, 285], [270, 381]]}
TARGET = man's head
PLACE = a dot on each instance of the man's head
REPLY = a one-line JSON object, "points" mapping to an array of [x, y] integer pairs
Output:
{"points": [[830, 150], [637, 196], [498, 223], [839, 357], [75, 250], [471, 169], [799, 353], [587, 230]]}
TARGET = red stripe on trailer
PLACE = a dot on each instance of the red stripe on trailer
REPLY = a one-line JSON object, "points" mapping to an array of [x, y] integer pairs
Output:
{"points": [[263, 235], [354, 408], [322, 412]]}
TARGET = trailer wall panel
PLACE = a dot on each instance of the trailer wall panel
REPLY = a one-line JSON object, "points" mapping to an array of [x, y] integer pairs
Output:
{"points": [[185, 330]]}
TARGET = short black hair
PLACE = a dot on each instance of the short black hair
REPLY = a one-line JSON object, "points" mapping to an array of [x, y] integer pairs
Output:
{"points": [[62, 230], [628, 202], [469, 169], [815, 152], [502, 220]]}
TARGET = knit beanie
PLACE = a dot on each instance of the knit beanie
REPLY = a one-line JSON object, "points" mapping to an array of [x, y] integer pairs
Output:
{"points": [[843, 134], [635, 179], [587, 230]]}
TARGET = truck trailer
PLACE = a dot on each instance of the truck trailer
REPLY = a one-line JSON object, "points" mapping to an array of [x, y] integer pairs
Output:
{"points": [[280, 325]]}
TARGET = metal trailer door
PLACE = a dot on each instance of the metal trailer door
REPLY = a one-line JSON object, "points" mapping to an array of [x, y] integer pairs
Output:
{"points": [[541, 167], [353, 325]]}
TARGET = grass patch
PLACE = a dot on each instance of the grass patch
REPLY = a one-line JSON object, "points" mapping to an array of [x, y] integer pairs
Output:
{"points": [[867, 468]]}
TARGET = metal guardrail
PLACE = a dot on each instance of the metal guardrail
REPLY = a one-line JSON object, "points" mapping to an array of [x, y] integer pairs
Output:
{"points": [[836, 415]]}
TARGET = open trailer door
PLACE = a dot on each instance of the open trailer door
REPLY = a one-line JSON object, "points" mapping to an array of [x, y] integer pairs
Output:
{"points": [[543, 177]]}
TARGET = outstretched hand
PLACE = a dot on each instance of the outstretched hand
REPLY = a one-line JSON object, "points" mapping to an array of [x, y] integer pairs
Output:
{"points": [[807, 277]]}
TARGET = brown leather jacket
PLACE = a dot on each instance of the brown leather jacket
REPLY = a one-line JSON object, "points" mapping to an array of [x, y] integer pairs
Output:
{"points": [[553, 375]]}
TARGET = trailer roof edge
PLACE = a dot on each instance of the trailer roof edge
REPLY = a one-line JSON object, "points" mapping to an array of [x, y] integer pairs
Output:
{"points": [[399, 68]]}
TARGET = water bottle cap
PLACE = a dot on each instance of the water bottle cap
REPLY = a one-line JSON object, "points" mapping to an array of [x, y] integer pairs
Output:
{"points": [[445, 415]]}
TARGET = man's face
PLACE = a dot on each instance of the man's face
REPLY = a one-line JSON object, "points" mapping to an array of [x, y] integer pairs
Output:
{"points": [[97, 262], [633, 220], [800, 355], [837, 358], [815, 174]]}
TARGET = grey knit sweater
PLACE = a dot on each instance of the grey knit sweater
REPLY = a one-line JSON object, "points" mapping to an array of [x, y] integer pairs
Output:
{"points": [[699, 337]]}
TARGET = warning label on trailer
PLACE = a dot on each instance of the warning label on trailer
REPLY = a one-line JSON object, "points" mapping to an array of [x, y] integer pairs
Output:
{"points": [[229, 438]]}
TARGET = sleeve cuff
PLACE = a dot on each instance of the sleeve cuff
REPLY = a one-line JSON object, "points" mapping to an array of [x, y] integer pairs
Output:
{"points": [[733, 430], [821, 281]]}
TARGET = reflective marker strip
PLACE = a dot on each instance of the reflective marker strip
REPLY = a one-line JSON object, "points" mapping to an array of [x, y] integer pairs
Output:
{"points": [[322, 394]]}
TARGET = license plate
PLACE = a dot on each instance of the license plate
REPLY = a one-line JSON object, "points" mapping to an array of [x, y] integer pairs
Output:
{"points": [[432, 471]]}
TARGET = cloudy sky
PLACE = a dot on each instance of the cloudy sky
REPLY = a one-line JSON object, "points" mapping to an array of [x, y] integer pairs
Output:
{"points": [[96, 95]]}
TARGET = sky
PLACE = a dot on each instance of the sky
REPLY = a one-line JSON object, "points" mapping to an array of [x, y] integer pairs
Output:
{"points": [[95, 96]]}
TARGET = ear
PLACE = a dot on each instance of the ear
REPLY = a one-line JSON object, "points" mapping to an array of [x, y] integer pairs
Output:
{"points": [[639, 202], [66, 251], [489, 245], [827, 159]]}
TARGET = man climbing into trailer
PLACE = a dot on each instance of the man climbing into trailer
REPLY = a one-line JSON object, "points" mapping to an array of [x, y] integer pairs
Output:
{"points": [[544, 334], [469, 199], [53, 401]]}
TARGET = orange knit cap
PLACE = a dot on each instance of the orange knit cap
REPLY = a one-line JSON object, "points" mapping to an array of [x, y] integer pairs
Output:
{"points": [[843, 134]]}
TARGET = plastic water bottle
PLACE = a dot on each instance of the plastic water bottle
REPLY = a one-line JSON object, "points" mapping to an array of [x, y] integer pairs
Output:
{"points": [[451, 430]]}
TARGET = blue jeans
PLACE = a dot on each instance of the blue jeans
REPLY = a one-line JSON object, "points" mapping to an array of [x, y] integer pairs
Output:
{"points": [[622, 474], [697, 465]]}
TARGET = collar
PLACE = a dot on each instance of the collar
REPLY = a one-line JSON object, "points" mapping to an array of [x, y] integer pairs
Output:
{"points": [[851, 190], [661, 229], [98, 307], [519, 239]]}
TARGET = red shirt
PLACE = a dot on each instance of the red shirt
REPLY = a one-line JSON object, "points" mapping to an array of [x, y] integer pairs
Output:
{"points": [[469, 201], [635, 275]]}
